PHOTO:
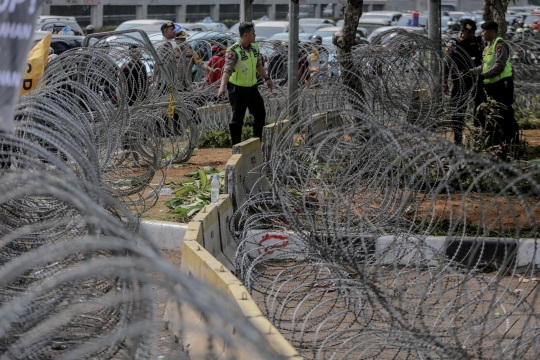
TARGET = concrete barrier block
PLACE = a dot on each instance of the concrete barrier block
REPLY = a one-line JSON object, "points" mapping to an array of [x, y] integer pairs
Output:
{"points": [[391, 250], [194, 232], [528, 252], [473, 251], [167, 235], [234, 178], [208, 217], [270, 132], [325, 121], [228, 246], [252, 157]]}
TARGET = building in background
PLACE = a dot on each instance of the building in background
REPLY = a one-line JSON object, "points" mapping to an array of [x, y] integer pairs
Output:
{"points": [[113, 12]]}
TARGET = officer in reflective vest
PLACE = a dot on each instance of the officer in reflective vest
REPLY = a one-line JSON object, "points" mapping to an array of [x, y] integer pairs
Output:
{"points": [[242, 64], [496, 72], [468, 49]]}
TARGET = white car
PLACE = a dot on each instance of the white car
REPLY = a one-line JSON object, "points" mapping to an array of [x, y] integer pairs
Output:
{"points": [[419, 30], [140, 22], [211, 25], [268, 28]]}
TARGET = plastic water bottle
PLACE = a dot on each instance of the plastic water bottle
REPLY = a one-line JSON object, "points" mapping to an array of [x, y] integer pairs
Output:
{"points": [[214, 193]]}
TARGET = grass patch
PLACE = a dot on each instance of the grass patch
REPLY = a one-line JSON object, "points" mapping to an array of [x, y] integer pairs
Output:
{"points": [[212, 139]]}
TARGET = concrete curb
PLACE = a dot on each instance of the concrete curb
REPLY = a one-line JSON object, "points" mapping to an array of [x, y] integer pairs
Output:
{"points": [[167, 235]]}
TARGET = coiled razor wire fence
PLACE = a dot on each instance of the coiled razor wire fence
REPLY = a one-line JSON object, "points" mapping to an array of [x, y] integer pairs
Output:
{"points": [[369, 235], [358, 184], [78, 284], [77, 281]]}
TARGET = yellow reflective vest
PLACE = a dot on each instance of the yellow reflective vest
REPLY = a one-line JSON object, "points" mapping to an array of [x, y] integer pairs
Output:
{"points": [[245, 70], [490, 56]]}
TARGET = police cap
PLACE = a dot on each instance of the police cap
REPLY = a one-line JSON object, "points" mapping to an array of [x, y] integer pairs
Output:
{"points": [[468, 24], [490, 25], [166, 25]]}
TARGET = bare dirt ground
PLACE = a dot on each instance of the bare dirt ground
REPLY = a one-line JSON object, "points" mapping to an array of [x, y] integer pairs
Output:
{"points": [[219, 157], [474, 207]]}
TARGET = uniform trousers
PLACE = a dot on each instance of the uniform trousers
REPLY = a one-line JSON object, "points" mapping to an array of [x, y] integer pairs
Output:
{"points": [[504, 130], [458, 121], [242, 98]]}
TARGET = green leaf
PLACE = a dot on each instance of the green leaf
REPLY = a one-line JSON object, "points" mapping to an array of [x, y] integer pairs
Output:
{"points": [[186, 189], [193, 174], [204, 197], [202, 176], [180, 211], [174, 203], [195, 209]]}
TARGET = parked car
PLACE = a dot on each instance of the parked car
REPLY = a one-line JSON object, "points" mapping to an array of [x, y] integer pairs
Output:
{"points": [[455, 14], [330, 31], [328, 10], [50, 23], [380, 30], [212, 25], [422, 21], [234, 28], [392, 16], [155, 38], [59, 43], [316, 21], [268, 28], [364, 30], [57, 26], [285, 36], [140, 22], [477, 18], [372, 24], [311, 28], [153, 29]]}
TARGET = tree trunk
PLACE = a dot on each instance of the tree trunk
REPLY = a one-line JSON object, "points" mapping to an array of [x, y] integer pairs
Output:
{"points": [[494, 10], [352, 13], [487, 10], [499, 9]]}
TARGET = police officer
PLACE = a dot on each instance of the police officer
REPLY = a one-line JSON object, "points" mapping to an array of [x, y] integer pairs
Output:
{"points": [[186, 57], [496, 71], [468, 49], [242, 63], [165, 46]]}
